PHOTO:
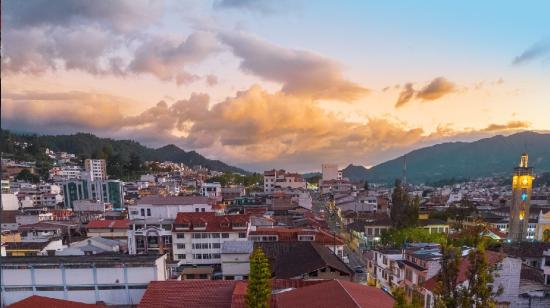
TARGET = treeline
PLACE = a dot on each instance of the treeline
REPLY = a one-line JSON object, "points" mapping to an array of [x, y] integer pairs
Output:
{"points": [[229, 178]]}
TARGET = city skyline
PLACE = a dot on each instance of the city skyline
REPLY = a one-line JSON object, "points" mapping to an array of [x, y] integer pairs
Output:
{"points": [[262, 84]]}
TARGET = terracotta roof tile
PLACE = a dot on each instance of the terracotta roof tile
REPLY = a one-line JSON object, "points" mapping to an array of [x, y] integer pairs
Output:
{"points": [[188, 293], [36, 301], [108, 224]]}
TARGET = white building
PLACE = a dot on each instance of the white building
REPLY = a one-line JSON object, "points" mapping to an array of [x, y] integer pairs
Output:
{"points": [[198, 237], [168, 207], [212, 190], [65, 173], [387, 272], [236, 259], [9, 202], [96, 168], [6, 186], [281, 179], [113, 279], [330, 172]]}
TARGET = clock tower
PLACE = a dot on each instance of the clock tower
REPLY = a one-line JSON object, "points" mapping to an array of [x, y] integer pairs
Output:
{"points": [[522, 182]]}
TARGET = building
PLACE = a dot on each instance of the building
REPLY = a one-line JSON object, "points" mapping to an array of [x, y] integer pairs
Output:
{"points": [[9, 202], [113, 229], [168, 207], [6, 186], [522, 182], [388, 268], [281, 179], [236, 259], [65, 173], [111, 191], [198, 237], [96, 168], [113, 279], [330, 172], [212, 190], [542, 231]]}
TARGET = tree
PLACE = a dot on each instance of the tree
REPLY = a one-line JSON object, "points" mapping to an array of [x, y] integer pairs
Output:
{"points": [[27, 176], [447, 292], [404, 211], [366, 185], [259, 288], [401, 299], [398, 237], [479, 292]]}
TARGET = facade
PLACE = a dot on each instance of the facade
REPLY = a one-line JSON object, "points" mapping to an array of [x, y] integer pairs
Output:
{"points": [[212, 190], [522, 182], [96, 168], [168, 207], [330, 172], [236, 259], [198, 237], [111, 191], [281, 179], [112, 279], [542, 232], [388, 270]]}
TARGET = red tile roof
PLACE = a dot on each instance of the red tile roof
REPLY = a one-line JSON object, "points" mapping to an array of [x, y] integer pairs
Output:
{"points": [[36, 301], [108, 224], [335, 293], [212, 221], [188, 293], [286, 234], [492, 258]]}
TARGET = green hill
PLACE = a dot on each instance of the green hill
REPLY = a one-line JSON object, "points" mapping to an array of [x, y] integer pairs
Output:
{"points": [[495, 156], [88, 145]]}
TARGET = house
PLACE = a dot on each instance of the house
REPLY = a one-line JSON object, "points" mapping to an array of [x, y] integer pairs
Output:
{"points": [[304, 260], [113, 229], [198, 237], [38, 248], [388, 268], [168, 207], [236, 259], [281, 179], [90, 246], [289, 234], [114, 279], [37, 301]]}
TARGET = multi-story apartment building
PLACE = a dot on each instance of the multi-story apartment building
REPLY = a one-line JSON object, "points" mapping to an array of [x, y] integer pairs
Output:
{"points": [[152, 218], [421, 261], [388, 269], [96, 168], [330, 172], [198, 237], [212, 190], [282, 179], [111, 191]]}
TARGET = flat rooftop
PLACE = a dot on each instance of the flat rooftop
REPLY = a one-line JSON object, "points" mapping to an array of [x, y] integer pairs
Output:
{"points": [[102, 259]]}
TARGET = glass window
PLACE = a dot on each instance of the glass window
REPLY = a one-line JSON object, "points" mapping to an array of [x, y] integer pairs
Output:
{"points": [[225, 235], [242, 235]]}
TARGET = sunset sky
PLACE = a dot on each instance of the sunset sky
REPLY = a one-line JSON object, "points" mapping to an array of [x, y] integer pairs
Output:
{"points": [[292, 84]]}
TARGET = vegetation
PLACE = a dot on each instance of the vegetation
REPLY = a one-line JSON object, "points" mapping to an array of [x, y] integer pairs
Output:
{"points": [[26, 175], [401, 299], [259, 288], [120, 152], [404, 210], [229, 178], [480, 276], [398, 237]]}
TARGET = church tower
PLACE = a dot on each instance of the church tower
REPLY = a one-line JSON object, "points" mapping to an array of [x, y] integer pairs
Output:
{"points": [[522, 182]]}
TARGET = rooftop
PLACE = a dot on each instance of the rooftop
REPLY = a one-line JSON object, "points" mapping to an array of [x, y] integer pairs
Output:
{"points": [[237, 247], [36, 301], [108, 224], [174, 200], [95, 259]]}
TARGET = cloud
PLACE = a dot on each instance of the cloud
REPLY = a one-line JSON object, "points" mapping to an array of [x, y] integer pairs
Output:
{"points": [[254, 128], [301, 72], [436, 89], [165, 57], [405, 96], [211, 80], [539, 50], [261, 6], [511, 125], [120, 15]]}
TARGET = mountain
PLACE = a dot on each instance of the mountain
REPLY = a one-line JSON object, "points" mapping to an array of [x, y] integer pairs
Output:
{"points": [[495, 156], [88, 145]]}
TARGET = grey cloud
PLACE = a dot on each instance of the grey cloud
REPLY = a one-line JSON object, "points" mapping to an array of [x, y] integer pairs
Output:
{"points": [[437, 88], [539, 50], [405, 96], [211, 80], [301, 72], [261, 6], [120, 15]]}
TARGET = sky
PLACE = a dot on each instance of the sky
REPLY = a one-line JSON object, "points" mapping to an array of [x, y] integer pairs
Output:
{"points": [[277, 84]]}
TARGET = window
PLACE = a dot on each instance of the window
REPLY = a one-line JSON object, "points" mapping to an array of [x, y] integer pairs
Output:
{"points": [[242, 235], [215, 235], [205, 235], [408, 274], [196, 235], [203, 210], [197, 256], [180, 246], [216, 256], [142, 212], [225, 235], [385, 260], [181, 256], [306, 238], [196, 210], [148, 212], [216, 245], [181, 235]]}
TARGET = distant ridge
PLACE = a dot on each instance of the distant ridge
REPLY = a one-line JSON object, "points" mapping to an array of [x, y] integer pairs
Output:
{"points": [[86, 144], [494, 156]]}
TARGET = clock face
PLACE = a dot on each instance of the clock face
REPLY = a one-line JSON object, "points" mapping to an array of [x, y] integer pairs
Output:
{"points": [[525, 181]]}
